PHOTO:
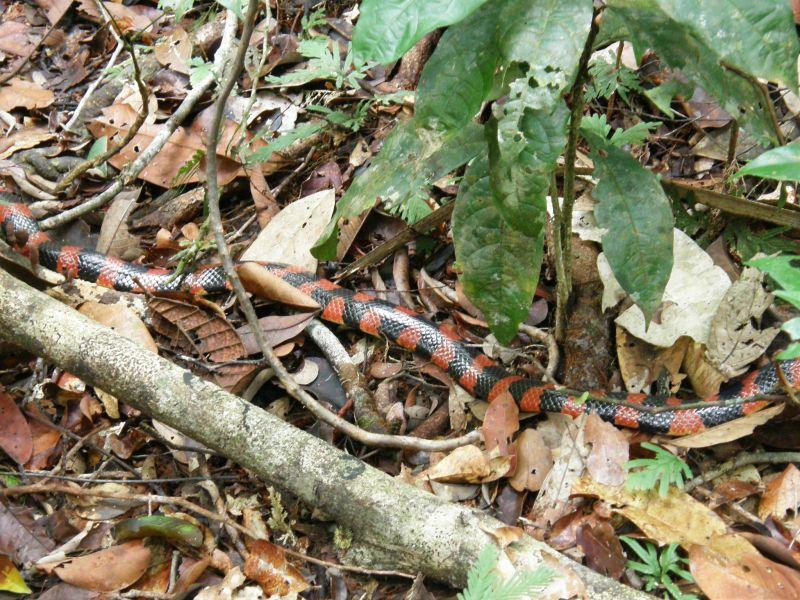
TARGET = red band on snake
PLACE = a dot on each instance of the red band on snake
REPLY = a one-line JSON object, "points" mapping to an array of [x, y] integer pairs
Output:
{"points": [[474, 371]]}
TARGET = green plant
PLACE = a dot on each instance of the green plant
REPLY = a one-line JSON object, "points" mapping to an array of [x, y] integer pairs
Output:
{"points": [[785, 272], [323, 63], [483, 582], [608, 80], [312, 20], [533, 54], [664, 469], [658, 569], [353, 121]]}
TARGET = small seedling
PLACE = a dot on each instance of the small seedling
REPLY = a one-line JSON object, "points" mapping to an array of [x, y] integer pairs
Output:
{"points": [[657, 570], [483, 582], [664, 469]]}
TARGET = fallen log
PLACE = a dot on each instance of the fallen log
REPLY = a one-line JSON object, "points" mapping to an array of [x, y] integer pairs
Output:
{"points": [[394, 525]]}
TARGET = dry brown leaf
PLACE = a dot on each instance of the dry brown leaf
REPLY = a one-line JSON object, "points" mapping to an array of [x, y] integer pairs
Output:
{"points": [[115, 238], [20, 93], [175, 50], [733, 342], [500, 423], [534, 461], [676, 518], [108, 570], [750, 576], [609, 453], [602, 548], [23, 139], [263, 199], [276, 328], [290, 235], [263, 284], [782, 494], [123, 320], [641, 363], [55, 8], [467, 464], [267, 565], [16, 439], [553, 501], [15, 38], [727, 432], [20, 537], [703, 376]]}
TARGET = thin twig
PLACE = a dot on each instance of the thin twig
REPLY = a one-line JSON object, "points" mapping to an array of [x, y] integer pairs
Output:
{"points": [[91, 89], [286, 379], [757, 458], [131, 172], [81, 168]]}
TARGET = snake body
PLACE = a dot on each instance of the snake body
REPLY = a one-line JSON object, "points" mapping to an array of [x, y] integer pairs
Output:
{"points": [[474, 371]]}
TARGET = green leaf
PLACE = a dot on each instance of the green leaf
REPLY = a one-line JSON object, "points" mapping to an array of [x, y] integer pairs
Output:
{"points": [[159, 526], [282, 142], [663, 94], [545, 39], [714, 42], [386, 29], [199, 70], [98, 148], [178, 7], [500, 264], [636, 212], [596, 131], [785, 270], [607, 79], [233, 5], [460, 74], [412, 158], [481, 578], [781, 163]]}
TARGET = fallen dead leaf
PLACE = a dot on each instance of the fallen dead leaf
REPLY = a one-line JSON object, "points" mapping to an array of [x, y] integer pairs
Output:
{"points": [[750, 576], [534, 461], [276, 328], [467, 464], [727, 432], [609, 453], [10, 578], [602, 548], [290, 235], [641, 363], [107, 570], [175, 50], [15, 434], [20, 538], [20, 93], [260, 282], [115, 238], [782, 494], [500, 423], [675, 518], [267, 565], [29, 137], [15, 38]]}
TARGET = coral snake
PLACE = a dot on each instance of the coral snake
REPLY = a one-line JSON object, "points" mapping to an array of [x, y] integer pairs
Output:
{"points": [[474, 371]]}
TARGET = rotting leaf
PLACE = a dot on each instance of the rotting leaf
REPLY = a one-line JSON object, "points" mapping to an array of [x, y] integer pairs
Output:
{"points": [[267, 565], [107, 570]]}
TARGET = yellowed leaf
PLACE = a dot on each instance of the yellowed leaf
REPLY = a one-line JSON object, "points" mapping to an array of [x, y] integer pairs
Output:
{"points": [[467, 464]]}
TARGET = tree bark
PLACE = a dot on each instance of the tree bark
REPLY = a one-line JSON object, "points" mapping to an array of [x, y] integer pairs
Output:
{"points": [[393, 524]]}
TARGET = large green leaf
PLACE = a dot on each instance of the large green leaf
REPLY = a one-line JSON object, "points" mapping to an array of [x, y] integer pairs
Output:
{"points": [[499, 263], [544, 38], [460, 74], [411, 160], [387, 28], [714, 42], [781, 163], [636, 212]]}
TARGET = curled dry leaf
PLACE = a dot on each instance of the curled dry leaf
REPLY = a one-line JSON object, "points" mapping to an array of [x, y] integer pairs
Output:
{"points": [[782, 494], [467, 464], [16, 439], [263, 284], [20, 93], [290, 235], [641, 363], [267, 565], [609, 453], [534, 461], [748, 576], [108, 570]]}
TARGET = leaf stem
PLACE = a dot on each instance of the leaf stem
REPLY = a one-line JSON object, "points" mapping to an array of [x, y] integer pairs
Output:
{"points": [[564, 284]]}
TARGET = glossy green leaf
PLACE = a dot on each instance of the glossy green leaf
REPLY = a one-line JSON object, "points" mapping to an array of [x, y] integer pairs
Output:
{"points": [[159, 526], [784, 270], [714, 43], [386, 29], [412, 158], [781, 163], [499, 264], [663, 95], [636, 212]]}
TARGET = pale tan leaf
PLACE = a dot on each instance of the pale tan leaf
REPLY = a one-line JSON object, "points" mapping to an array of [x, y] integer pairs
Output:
{"points": [[727, 432], [609, 453], [534, 461], [20, 93], [782, 494]]}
